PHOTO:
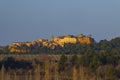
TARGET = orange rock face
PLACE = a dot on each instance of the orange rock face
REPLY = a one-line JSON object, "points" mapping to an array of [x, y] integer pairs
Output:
{"points": [[61, 40], [85, 40]]}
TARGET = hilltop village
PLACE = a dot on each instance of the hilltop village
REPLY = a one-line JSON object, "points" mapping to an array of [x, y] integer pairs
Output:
{"points": [[55, 41]]}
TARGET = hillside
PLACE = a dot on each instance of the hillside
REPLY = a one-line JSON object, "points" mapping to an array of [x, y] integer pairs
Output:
{"points": [[68, 44], [52, 43]]}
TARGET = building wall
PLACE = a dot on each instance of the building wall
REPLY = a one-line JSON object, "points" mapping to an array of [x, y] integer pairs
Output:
{"points": [[85, 40]]}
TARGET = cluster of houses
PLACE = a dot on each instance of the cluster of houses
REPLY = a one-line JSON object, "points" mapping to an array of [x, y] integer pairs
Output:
{"points": [[55, 41]]}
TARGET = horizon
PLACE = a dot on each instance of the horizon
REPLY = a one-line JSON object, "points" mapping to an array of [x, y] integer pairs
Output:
{"points": [[57, 36], [29, 20]]}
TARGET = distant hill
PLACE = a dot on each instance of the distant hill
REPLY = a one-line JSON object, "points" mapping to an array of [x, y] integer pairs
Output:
{"points": [[66, 44], [52, 44]]}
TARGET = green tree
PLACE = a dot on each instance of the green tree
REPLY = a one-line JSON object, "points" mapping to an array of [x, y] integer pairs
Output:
{"points": [[74, 60], [95, 62], [110, 73], [62, 63], [6, 50]]}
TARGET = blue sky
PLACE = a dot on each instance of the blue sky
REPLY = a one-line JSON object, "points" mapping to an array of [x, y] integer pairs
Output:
{"points": [[27, 20]]}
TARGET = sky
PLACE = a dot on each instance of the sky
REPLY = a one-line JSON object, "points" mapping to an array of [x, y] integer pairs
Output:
{"points": [[27, 20]]}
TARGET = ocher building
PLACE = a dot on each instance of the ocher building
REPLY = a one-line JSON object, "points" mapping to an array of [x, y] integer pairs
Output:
{"points": [[13, 49], [85, 40], [61, 40], [28, 44], [65, 39]]}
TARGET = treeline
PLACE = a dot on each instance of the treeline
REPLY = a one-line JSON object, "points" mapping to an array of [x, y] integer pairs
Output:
{"points": [[112, 46], [102, 66]]}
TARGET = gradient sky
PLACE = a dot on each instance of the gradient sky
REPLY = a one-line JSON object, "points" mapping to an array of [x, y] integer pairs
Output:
{"points": [[27, 20]]}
